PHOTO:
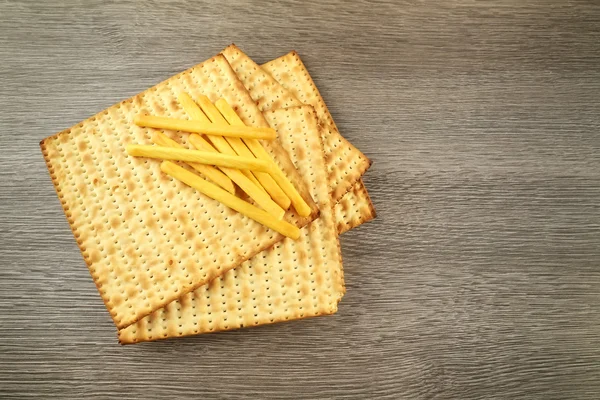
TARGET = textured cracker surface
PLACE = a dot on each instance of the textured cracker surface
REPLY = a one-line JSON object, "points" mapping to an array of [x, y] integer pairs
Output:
{"points": [[345, 163], [294, 279], [264, 90], [146, 238], [354, 207]]}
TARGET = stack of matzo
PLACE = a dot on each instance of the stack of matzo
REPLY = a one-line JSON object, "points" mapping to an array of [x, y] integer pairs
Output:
{"points": [[169, 261]]}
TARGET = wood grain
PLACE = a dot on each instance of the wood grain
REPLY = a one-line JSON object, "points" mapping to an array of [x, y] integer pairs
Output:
{"points": [[480, 277]]}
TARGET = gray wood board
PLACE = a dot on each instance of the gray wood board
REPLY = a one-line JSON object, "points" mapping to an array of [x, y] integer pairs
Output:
{"points": [[479, 279]]}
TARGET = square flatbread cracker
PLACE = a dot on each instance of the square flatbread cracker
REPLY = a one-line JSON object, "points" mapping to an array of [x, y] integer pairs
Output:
{"points": [[354, 207], [148, 239], [295, 279]]}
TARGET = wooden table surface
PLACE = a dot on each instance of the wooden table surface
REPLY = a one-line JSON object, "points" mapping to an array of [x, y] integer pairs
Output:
{"points": [[480, 277]]}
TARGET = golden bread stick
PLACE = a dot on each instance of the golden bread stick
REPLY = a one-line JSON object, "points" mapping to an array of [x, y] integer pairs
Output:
{"points": [[259, 151], [186, 125], [202, 157], [231, 201]]}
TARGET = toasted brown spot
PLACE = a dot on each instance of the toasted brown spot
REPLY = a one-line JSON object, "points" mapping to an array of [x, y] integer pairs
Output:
{"points": [[329, 157], [115, 222], [260, 230], [204, 225], [147, 179], [128, 214], [129, 252], [94, 255], [150, 223], [172, 330], [258, 269], [213, 242], [304, 289], [137, 101], [319, 279], [212, 284], [289, 280], [210, 276], [188, 79], [159, 108], [82, 145], [301, 153], [302, 257], [170, 195], [126, 175], [246, 293], [144, 282], [305, 275], [164, 215], [238, 224], [189, 234], [111, 249], [117, 299], [86, 158], [131, 292], [82, 188], [162, 178]]}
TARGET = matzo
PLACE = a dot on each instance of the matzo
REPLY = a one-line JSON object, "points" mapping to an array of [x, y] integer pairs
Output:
{"points": [[354, 207], [146, 238], [294, 279]]}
